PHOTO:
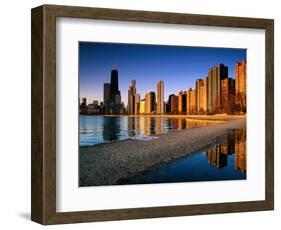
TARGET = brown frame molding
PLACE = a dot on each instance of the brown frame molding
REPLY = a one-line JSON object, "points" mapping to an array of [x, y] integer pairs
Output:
{"points": [[43, 157]]}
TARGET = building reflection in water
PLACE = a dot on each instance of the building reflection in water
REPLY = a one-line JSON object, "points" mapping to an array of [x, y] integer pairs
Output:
{"points": [[240, 161], [216, 157], [182, 124], [148, 126], [235, 143], [111, 128], [159, 125], [194, 124], [142, 125], [174, 124], [155, 125], [232, 144]]}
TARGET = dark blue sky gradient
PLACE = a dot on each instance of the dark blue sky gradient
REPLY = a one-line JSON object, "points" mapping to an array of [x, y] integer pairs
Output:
{"points": [[177, 66]]}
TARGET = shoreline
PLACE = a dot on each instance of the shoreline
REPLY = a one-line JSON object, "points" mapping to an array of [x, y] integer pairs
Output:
{"points": [[108, 163], [217, 117]]}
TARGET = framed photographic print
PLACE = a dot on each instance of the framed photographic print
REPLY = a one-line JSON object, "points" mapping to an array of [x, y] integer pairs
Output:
{"points": [[141, 114]]}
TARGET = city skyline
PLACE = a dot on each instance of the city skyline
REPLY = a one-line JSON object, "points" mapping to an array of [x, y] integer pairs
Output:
{"points": [[178, 67], [215, 93]]}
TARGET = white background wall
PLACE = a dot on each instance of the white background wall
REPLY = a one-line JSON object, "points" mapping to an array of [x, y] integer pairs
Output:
{"points": [[15, 113]]}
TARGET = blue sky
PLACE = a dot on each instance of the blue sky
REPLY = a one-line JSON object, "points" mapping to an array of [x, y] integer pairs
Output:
{"points": [[177, 66]]}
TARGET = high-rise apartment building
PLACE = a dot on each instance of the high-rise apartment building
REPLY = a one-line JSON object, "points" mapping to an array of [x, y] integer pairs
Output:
{"points": [[160, 97], [182, 102], [136, 103], [106, 97], [215, 75], [83, 106], [131, 97], [142, 107], [150, 103], [172, 106], [201, 95], [228, 95], [191, 101], [84, 101], [241, 86]]}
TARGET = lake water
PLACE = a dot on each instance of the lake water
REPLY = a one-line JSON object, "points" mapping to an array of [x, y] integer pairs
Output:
{"points": [[100, 129], [225, 160]]}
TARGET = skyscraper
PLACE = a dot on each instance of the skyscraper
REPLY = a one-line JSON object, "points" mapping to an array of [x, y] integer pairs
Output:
{"points": [[240, 85], [131, 99], [114, 89], [136, 103], [142, 106], [83, 106], [182, 102], [201, 96], [173, 100], [106, 97], [84, 101], [191, 101], [150, 102], [215, 75], [228, 95], [160, 97]]}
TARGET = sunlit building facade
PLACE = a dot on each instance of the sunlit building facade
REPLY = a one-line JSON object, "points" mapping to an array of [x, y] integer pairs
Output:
{"points": [[191, 101], [160, 97], [173, 101], [137, 103], [215, 75], [201, 96], [241, 86], [150, 101], [182, 102], [131, 93], [142, 107], [228, 95]]}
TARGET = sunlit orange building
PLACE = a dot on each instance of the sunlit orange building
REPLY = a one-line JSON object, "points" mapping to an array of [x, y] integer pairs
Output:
{"points": [[228, 95], [241, 86], [160, 97], [215, 75], [150, 102], [191, 101], [182, 102], [174, 104], [201, 96]]}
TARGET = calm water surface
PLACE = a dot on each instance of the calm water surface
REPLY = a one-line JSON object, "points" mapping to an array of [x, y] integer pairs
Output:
{"points": [[100, 129], [223, 161]]}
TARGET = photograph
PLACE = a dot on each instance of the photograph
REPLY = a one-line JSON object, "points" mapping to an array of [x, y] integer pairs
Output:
{"points": [[141, 114], [161, 114]]}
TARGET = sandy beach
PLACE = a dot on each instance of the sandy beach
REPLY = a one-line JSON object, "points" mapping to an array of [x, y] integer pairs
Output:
{"points": [[109, 163]]}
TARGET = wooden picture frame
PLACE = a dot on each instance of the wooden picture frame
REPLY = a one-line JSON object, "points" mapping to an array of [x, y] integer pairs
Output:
{"points": [[43, 208]]}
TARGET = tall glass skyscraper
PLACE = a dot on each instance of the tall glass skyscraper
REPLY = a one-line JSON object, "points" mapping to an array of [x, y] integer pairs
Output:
{"points": [[114, 88]]}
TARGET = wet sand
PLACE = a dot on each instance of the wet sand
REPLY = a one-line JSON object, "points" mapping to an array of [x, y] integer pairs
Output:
{"points": [[109, 163]]}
